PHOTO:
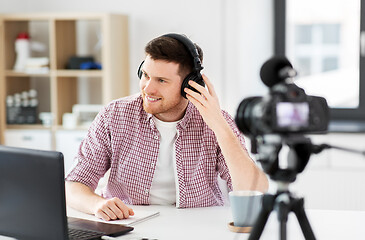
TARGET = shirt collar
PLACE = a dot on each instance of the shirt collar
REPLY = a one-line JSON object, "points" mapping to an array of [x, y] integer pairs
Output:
{"points": [[187, 116]]}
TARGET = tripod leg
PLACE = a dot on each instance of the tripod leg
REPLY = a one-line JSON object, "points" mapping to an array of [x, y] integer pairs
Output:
{"points": [[282, 230], [283, 218], [298, 209], [267, 207]]}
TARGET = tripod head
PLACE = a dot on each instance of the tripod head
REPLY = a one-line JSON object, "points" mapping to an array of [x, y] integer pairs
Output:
{"points": [[268, 147]]}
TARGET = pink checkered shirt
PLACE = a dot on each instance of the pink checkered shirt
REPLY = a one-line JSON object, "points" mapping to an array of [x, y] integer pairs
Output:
{"points": [[123, 137]]}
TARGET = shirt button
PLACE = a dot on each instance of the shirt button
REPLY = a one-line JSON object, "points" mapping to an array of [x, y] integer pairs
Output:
{"points": [[155, 137], [146, 191]]}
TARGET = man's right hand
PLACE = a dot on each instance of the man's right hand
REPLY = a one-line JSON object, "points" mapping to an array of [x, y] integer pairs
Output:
{"points": [[112, 209], [77, 194]]}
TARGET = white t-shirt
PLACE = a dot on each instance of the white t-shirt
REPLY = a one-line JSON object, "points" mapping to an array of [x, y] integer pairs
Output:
{"points": [[163, 189]]}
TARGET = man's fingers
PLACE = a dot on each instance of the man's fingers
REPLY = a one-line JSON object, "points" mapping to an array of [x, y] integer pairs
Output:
{"points": [[119, 214], [194, 97], [209, 85], [126, 211], [198, 87], [107, 209], [102, 214], [131, 212], [113, 209]]}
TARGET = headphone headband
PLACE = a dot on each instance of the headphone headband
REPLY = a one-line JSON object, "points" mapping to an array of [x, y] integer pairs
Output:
{"points": [[190, 46]]}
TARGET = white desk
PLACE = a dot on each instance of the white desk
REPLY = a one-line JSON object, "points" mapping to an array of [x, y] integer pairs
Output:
{"points": [[211, 223]]}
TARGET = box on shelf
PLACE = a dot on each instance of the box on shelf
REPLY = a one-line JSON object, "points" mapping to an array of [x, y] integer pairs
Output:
{"points": [[21, 115], [21, 108]]}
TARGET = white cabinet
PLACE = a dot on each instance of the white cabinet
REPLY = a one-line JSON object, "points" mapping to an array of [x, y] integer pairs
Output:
{"points": [[65, 141], [68, 142], [35, 139]]}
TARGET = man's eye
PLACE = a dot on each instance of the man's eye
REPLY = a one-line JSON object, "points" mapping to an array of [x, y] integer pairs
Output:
{"points": [[145, 75], [161, 80]]}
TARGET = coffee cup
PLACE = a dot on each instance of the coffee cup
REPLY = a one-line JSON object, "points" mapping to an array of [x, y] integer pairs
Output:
{"points": [[245, 206]]}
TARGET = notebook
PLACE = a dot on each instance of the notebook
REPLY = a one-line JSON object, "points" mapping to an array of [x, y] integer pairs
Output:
{"points": [[32, 199], [138, 217]]}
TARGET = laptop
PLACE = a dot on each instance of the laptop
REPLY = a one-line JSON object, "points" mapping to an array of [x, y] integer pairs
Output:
{"points": [[32, 199]]}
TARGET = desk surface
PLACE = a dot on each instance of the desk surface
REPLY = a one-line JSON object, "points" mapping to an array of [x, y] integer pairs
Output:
{"points": [[211, 223]]}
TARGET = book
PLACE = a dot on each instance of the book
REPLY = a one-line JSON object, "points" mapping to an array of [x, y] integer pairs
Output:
{"points": [[138, 217]]}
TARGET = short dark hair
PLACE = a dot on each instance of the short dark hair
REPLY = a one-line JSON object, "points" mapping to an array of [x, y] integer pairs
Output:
{"points": [[172, 50]]}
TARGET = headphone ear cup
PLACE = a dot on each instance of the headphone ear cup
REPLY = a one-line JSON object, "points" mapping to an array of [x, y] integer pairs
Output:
{"points": [[139, 72], [194, 76]]}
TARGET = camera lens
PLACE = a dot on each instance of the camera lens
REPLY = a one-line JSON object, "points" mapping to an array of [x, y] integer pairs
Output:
{"points": [[244, 115]]}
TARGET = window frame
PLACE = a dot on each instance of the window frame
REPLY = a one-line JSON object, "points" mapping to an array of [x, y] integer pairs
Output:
{"points": [[337, 114]]}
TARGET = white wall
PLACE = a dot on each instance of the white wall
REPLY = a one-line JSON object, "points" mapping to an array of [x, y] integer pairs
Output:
{"points": [[236, 36], [249, 44]]}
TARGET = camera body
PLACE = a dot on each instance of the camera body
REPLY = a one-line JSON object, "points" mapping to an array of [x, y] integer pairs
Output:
{"points": [[286, 109]]}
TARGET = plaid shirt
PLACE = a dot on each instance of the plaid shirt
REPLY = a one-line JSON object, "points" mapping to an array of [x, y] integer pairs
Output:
{"points": [[124, 138]]}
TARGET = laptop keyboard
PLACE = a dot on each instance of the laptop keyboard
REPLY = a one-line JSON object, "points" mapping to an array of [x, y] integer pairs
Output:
{"points": [[80, 234]]}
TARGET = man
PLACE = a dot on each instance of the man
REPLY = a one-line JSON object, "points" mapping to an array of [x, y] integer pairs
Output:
{"points": [[160, 147]]}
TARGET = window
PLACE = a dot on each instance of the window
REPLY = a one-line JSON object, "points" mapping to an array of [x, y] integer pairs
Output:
{"points": [[322, 39]]}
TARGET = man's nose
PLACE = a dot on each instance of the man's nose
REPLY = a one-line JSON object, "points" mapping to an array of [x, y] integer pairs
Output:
{"points": [[149, 87]]}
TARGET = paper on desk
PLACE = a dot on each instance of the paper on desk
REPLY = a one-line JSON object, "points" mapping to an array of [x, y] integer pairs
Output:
{"points": [[139, 216]]}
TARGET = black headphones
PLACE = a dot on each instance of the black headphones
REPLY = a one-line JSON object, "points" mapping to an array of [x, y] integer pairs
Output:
{"points": [[195, 75]]}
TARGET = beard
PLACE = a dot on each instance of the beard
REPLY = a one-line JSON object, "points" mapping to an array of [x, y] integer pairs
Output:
{"points": [[165, 109]]}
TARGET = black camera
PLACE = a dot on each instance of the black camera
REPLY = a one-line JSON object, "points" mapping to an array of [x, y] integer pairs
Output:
{"points": [[286, 109], [277, 119]]}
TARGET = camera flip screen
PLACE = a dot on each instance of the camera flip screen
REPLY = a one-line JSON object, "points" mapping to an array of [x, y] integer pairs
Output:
{"points": [[291, 114]]}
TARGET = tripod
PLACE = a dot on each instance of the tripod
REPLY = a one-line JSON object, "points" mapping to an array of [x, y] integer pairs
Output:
{"points": [[283, 201]]}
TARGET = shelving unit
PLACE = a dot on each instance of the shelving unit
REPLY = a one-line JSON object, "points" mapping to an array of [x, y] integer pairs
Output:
{"points": [[64, 35]]}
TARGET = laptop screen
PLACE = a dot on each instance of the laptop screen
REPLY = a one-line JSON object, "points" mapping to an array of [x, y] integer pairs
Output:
{"points": [[32, 194]]}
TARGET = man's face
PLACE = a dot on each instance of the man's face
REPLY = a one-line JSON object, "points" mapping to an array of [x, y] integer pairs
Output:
{"points": [[160, 87]]}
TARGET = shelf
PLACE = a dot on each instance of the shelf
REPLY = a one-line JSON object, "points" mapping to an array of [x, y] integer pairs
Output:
{"points": [[11, 73], [27, 127], [102, 36], [42, 16], [79, 73], [58, 73], [78, 128]]}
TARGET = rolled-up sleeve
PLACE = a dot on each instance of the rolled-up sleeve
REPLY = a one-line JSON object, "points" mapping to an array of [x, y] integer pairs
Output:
{"points": [[93, 157]]}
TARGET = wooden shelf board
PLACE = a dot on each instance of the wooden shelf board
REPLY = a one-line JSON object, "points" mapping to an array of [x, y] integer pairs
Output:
{"points": [[79, 73], [27, 126], [56, 16], [11, 73], [58, 73], [60, 127]]}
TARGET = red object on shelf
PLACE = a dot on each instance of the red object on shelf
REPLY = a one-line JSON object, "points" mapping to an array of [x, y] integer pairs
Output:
{"points": [[23, 35]]}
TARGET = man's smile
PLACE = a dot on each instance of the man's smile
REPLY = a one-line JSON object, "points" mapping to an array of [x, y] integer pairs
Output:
{"points": [[152, 99]]}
